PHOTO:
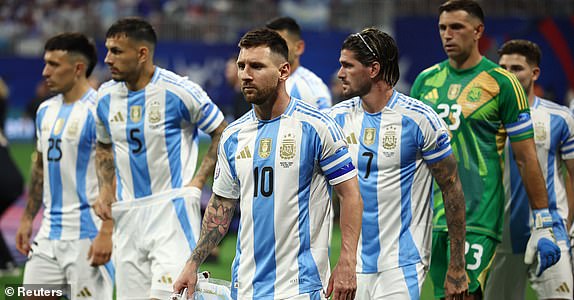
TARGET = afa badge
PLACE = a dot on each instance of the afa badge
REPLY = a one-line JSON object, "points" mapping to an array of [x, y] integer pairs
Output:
{"points": [[73, 127], [136, 113], [154, 114], [453, 91], [59, 126], [369, 137], [287, 148], [539, 132], [265, 148], [390, 138]]}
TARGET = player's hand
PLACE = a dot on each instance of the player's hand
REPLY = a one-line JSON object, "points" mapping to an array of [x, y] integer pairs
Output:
{"points": [[103, 205], [542, 242], [455, 283], [23, 236], [101, 249], [187, 279], [343, 281]]}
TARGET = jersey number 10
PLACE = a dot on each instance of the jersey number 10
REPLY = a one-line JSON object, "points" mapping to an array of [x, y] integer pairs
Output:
{"points": [[265, 187]]}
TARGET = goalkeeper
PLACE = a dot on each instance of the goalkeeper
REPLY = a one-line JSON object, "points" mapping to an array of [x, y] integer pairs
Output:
{"points": [[482, 104]]}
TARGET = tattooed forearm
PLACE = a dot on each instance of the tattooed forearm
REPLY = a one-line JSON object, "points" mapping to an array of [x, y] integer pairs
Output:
{"points": [[446, 174], [36, 187], [215, 224], [105, 168], [208, 162]]}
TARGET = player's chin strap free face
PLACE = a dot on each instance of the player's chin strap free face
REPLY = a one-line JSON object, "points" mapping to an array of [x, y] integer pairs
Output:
{"points": [[542, 242]]}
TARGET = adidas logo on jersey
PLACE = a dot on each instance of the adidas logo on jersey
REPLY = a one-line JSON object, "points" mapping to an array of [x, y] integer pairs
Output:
{"points": [[84, 293], [351, 139], [563, 288], [118, 117], [432, 96], [165, 279], [244, 153]]}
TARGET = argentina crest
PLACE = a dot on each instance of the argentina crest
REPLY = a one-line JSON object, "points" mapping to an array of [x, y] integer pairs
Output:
{"points": [[287, 148], [136, 113], [390, 140], [265, 147], [154, 115]]}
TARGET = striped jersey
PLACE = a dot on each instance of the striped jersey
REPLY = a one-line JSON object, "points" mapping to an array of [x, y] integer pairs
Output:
{"points": [[305, 85], [554, 137], [154, 132], [66, 137], [391, 150], [481, 106], [280, 170]]}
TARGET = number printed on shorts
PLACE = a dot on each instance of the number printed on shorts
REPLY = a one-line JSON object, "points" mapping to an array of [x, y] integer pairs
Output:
{"points": [[477, 255]]}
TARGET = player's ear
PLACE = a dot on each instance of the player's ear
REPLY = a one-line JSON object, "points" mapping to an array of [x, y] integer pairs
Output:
{"points": [[478, 31], [284, 70], [143, 54], [375, 69], [299, 47], [80, 68], [535, 73]]}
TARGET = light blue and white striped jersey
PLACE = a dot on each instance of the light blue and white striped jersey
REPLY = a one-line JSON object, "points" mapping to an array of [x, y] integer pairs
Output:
{"points": [[554, 137], [66, 138], [391, 150], [154, 132], [305, 85], [280, 169]]}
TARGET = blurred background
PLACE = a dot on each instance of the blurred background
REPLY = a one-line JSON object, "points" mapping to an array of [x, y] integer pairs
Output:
{"points": [[197, 38]]}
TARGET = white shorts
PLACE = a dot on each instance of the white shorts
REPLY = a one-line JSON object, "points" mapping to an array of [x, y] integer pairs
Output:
{"points": [[508, 275], [66, 262], [398, 283], [153, 238]]}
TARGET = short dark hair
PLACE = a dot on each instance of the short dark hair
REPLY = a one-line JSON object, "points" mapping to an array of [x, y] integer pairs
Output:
{"points": [[285, 23], [470, 6], [372, 45], [528, 49], [77, 43], [265, 37], [134, 28]]}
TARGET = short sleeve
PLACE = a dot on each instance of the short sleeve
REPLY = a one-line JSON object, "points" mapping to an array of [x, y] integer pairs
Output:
{"points": [[101, 120], [39, 118], [436, 145], [335, 160], [513, 108], [567, 137], [225, 183], [200, 109]]}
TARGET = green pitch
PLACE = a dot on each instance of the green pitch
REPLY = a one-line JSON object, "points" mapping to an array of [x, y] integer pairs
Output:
{"points": [[219, 269]]}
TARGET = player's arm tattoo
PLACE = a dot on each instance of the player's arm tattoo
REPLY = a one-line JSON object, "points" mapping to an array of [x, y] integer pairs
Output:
{"points": [[208, 161], [446, 174], [36, 186], [215, 225], [105, 168]]}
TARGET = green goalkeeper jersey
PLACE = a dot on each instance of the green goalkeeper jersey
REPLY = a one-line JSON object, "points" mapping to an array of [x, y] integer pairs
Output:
{"points": [[481, 106]]}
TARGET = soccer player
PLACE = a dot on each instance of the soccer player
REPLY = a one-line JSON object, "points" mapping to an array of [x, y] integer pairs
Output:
{"points": [[398, 144], [302, 83], [147, 121], [68, 249], [554, 138], [482, 104], [279, 159]]}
